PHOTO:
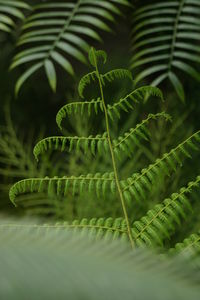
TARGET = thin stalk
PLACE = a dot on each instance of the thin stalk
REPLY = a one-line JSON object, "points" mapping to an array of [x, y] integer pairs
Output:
{"points": [[113, 155]]}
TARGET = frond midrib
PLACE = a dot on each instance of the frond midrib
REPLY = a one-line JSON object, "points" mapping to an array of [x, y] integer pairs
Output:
{"points": [[65, 26], [175, 31]]}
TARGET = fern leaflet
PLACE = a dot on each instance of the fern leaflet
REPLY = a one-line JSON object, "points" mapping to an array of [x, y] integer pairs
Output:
{"points": [[81, 107], [62, 186]]}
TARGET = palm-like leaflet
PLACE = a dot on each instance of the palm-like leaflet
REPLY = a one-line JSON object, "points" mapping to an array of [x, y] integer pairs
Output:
{"points": [[59, 31], [165, 40], [10, 10]]}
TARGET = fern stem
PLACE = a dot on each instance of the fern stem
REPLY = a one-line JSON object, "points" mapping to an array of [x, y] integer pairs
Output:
{"points": [[112, 154]]}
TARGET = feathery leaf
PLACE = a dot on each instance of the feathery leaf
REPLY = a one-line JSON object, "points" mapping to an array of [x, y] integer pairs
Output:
{"points": [[159, 222], [56, 31], [165, 39], [94, 144], [92, 183]]}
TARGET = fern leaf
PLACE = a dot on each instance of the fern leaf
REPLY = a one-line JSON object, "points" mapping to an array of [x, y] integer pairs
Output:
{"points": [[127, 103], [69, 26], [160, 222], [190, 246], [126, 142], [109, 76], [9, 11], [116, 74], [82, 107], [170, 45], [101, 228], [143, 181], [63, 186], [85, 81], [98, 228], [94, 144]]}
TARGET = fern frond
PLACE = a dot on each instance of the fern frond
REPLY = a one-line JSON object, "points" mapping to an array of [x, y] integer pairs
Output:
{"points": [[81, 107], [138, 185], [57, 29], [109, 76], [94, 144], [100, 228], [127, 103], [10, 10], [116, 74], [98, 183], [85, 81], [159, 222], [190, 246], [170, 44], [125, 143]]}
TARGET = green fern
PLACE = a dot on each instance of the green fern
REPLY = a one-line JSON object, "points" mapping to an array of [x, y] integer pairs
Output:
{"points": [[190, 246], [9, 11], [91, 182], [98, 143], [139, 185], [153, 229], [69, 24], [132, 137], [88, 107], [127, 103], [90, 143], [99, 228], [165, 41], [160, 221], [100, 183]]}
